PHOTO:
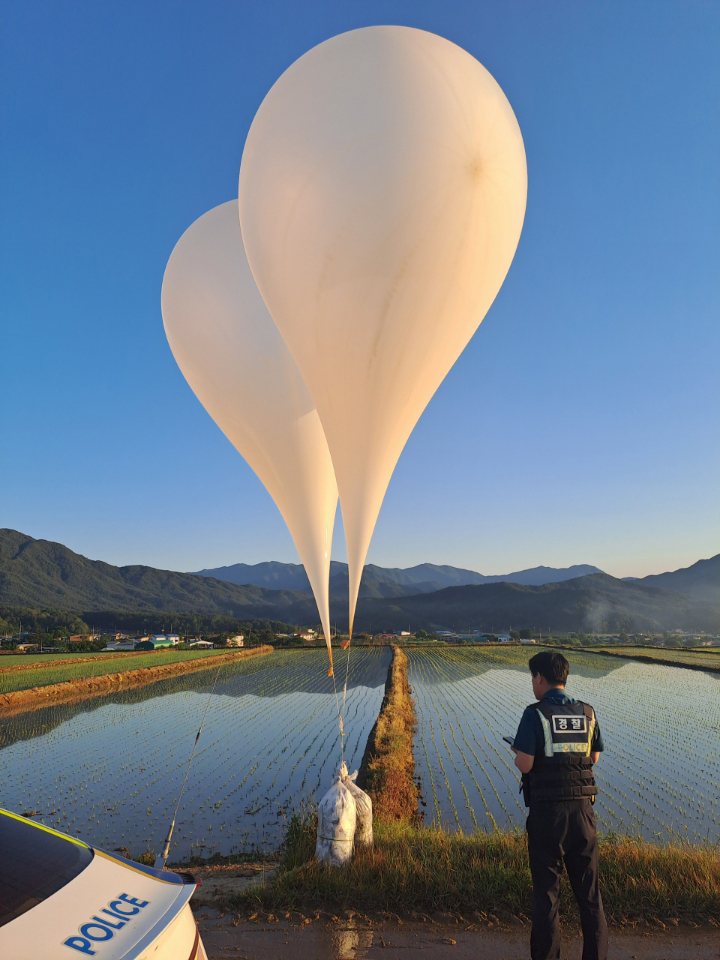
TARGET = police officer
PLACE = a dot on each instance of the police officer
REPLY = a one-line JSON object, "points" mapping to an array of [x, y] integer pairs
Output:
{"points": [[557, 742]]}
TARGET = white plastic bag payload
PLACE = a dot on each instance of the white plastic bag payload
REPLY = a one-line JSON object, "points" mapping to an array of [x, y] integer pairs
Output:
{"points": [[336, 825], [363, 807]]}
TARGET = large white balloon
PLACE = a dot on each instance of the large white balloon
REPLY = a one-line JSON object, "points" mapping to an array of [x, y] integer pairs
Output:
{"points": [[232, 355], [382, 194]]}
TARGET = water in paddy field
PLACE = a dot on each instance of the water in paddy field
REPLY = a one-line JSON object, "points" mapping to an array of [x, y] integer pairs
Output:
{"points": [[109, 770], [659, 777]]}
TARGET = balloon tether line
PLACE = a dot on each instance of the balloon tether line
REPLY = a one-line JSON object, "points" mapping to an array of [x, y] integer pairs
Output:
{"points": [[347, 671], [162, 859], [341, 730], [347, 665]]}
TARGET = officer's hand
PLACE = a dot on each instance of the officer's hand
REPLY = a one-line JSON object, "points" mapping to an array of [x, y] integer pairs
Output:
{"points": [[524, 761]]}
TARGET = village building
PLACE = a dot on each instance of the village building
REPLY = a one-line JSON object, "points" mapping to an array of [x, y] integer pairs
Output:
{"points": [[123, 644], [157, 641]]}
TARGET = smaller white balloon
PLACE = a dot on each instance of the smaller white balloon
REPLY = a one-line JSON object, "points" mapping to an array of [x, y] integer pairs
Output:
{"points": [[234, 359]]}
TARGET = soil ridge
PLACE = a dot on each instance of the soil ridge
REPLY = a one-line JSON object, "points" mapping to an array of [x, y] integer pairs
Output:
{"points": [[388, 768], [34, 697]]}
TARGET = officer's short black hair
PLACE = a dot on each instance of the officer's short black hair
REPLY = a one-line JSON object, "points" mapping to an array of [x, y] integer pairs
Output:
{"points": [[550, 665]]}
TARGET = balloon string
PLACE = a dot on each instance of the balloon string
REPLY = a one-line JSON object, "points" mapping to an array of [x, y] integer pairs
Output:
{"points": [[162, 859], [347, 671], [341, 731]]}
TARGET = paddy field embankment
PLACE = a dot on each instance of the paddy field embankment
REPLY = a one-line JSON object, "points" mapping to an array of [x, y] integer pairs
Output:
{"points": [[707, 659], [63, 680], [387, 769]]}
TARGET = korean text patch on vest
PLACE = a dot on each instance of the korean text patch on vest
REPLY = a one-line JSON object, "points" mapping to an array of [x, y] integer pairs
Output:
{"points": [[569, 724]]}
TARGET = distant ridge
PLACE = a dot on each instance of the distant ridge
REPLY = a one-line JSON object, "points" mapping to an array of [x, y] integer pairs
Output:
{"points": [[596, 603], [387, 582], [701, 580], [43, 575], [40, 573]]}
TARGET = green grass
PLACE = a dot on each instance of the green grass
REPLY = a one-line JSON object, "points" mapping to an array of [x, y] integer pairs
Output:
{"points": [[48, 674], [420, 870]]}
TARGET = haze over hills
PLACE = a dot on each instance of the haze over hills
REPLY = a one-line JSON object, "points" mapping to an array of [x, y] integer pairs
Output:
{"points": [[380, 582], [596, 603], [42, 574], [701, 580]]}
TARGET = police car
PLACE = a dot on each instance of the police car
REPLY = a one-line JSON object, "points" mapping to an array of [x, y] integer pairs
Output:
{"points": [[61, 899]]}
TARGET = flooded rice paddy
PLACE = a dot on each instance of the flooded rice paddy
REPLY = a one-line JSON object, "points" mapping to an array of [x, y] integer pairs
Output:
{"points": [[659, 777], [109, 769]]}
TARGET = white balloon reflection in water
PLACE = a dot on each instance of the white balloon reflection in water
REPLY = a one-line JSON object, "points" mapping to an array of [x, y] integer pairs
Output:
{"points": [[232, 355], [382, 195]]}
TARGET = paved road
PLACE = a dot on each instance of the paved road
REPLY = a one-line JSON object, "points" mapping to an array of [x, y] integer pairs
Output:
{"points": [[350, 940]]}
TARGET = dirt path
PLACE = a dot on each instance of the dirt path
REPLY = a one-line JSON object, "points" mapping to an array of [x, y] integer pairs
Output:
{"points": [[80, 689], [318, 935], [349, 939], [220, 881]]}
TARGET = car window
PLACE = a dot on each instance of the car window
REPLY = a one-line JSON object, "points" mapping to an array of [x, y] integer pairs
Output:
{"points": [[36, 862]]}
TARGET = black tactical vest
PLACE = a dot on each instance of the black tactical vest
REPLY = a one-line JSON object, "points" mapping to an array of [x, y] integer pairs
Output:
{"points": [[562, 769]]}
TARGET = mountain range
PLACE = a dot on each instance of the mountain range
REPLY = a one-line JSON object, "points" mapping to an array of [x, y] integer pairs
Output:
{"points": [[378, 582], [594, 603], [701, 580], [39, 573], [42, 574]]}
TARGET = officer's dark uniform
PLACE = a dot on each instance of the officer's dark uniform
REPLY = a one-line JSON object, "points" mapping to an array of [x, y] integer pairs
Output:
{"points": [[561, 733]]}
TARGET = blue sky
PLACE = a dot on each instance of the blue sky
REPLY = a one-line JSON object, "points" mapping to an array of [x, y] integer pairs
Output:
{"points": [[579, 426]]}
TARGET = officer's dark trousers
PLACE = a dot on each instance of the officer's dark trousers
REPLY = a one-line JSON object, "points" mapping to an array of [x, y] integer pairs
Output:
{"points": [[564, 833]]}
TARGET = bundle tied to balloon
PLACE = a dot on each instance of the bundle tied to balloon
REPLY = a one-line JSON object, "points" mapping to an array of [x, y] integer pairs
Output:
{"points": [[381, 198], [344, 820]]}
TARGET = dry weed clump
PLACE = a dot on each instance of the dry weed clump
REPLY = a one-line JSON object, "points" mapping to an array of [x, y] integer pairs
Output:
{"points": [[675, 882], [387, 769]]}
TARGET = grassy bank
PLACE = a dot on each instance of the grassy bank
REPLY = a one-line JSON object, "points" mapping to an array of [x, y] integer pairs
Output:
{"points": [[668, 656], [420, 871], [91, 679], [31, 661], [50, 672], [387, 769]]}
